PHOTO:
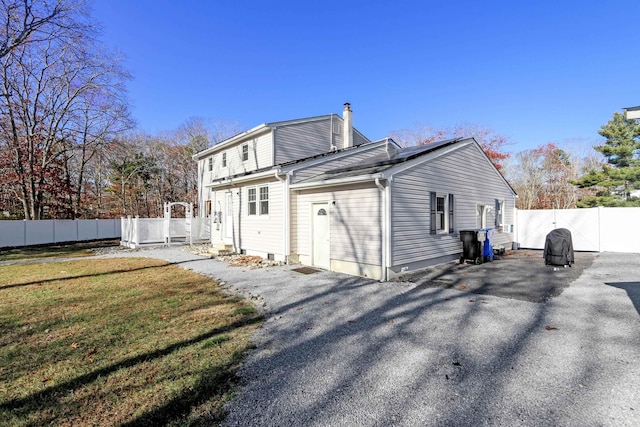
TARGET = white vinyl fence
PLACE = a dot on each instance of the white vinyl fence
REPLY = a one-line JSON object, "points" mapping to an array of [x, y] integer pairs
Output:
{"points": [[595, 229], [137, 232], [14, 233]]}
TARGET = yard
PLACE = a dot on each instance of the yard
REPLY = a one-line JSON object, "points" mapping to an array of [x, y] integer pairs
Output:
{"points": [[117, 341]]}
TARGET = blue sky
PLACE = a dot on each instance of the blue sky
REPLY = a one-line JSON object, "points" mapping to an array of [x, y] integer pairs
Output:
{"points": [[537, 72]]}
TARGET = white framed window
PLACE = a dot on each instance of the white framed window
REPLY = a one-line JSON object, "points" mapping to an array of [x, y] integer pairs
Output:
{"points": [[224, 160], [251, 201], [442, 213], [499, 215], [210, 164], [245, 152], [264, 200], [258, 200]]}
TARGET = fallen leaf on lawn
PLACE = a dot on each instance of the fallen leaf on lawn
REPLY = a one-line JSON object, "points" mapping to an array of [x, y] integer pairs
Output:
{"points": [[550, 328], [299, 308], [163, 317], [74, 345], [90, 360], [390, 321], [462, 287], [44, 380]]}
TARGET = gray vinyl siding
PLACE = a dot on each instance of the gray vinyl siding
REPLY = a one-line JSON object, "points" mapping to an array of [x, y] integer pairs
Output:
{"points": [[301, 140], [468, 175], [359, 139], [354, 222], [354, 158]]}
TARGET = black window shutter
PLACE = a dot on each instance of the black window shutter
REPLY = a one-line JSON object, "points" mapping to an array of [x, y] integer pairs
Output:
{"points": [[451, 210], [433, 212], [497, 213]]}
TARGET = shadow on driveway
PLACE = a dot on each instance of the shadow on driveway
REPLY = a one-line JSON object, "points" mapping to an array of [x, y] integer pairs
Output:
{"points": [[519, 275]]}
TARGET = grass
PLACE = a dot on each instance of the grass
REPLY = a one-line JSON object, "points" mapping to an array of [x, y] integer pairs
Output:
{"points": [[69, 250], [117, 342]]}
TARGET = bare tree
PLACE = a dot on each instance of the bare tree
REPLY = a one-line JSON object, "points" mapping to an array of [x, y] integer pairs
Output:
{"points": [[62, 94], [491, 142], [542, 177], [29, 21]]}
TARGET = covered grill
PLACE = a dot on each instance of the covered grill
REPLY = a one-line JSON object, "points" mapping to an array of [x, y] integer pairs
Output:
{"points": [[558, 248]]}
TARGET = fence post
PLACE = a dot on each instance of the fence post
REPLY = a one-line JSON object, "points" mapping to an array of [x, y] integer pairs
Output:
{"points": [[600, 209]]}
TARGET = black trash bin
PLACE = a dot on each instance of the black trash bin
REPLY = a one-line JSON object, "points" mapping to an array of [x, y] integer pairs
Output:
{"points": [[471, 246]]}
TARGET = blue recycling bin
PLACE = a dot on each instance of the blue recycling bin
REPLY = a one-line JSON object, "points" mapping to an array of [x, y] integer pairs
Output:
{"points": [[477, 245], [487, 248]]}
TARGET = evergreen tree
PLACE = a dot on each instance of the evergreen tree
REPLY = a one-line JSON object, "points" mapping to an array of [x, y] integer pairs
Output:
{"points": [[615, 181]]}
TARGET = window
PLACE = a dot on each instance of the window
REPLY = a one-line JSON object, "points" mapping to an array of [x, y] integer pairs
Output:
{"points": [[207, 208], [442, 213], [224, 160], [210, 164], [245, 152], [251, 200], [258, 201], [499, 218], [264, 200], [481, 216]]}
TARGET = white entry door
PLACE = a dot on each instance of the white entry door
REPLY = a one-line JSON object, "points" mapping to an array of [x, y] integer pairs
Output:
{"points": [[320, 235], [228, 217]]}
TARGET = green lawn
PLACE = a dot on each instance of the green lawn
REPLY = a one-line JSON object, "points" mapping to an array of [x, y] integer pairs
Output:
{"points": [[68, 250], [117, 341]]}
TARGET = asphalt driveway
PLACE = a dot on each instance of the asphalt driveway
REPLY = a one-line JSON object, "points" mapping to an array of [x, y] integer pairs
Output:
{"points": [[340, 350], [518, 275]]}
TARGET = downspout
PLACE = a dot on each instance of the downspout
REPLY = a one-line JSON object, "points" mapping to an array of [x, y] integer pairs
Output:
{"points": [[332, 144], [286, 211], [383, 229]]}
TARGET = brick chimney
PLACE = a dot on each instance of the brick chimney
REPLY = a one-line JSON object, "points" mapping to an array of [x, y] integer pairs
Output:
{"points": [[347, 117]]}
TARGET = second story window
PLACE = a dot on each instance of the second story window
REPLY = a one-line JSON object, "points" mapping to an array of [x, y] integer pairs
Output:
{"points": [[245, 152], [210, 164], [224, 160]]}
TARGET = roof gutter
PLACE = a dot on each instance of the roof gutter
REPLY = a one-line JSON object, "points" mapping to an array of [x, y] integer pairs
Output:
{"points": [[244, 178], [337, 181]]}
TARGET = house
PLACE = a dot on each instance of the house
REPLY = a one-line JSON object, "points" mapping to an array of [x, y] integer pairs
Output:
{"points": [[316, 191]]}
